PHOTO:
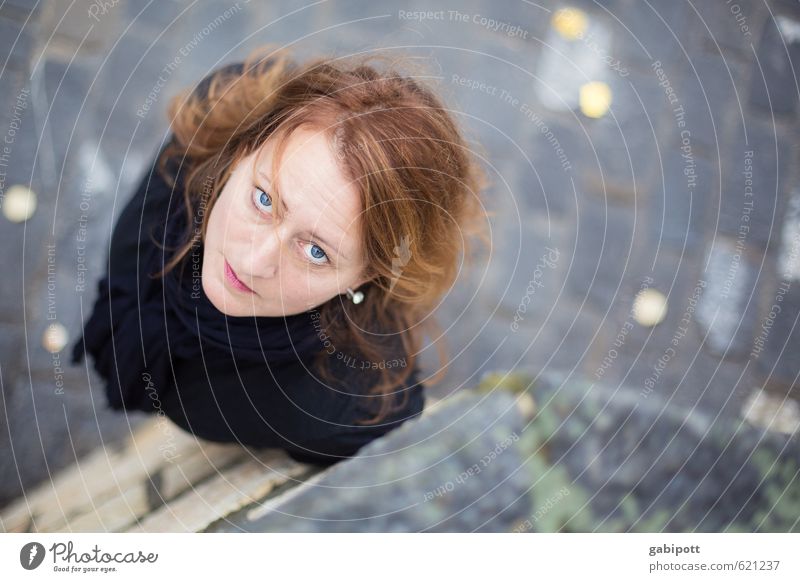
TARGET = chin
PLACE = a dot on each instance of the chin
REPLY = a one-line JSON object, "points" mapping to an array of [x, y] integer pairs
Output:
{"points": [[215, 291]]}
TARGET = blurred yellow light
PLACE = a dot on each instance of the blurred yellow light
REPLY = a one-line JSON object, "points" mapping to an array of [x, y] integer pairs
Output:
{"points": [[19, 203], [649, 307], [55, 338], [571, 23], [594, 99]]}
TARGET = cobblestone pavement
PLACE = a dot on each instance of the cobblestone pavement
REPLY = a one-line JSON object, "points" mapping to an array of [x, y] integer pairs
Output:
{"points": [[686, 185]]}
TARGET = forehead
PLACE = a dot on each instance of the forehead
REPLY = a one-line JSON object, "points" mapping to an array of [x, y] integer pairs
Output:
{"points": [[315, 189]]}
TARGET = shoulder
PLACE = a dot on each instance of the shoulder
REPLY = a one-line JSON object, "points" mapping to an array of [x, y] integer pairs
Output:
{"points": [[145, 210], [341, 401], [340, 408], [353, 385]]}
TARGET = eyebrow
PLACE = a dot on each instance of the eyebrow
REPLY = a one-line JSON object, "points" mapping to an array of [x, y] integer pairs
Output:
{"points": [[308, 232]]}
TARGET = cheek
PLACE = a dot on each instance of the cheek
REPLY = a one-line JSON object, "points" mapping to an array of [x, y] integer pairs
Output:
{"points": [[297, 286], [220, 222]]}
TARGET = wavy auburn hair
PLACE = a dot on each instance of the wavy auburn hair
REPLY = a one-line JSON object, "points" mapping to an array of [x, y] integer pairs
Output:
{"points": [[417, 178]]}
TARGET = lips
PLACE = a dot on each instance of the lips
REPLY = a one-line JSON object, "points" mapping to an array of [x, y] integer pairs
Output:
{"points": [[235, 282]]}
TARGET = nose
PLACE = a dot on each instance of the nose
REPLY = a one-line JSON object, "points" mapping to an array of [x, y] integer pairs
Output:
{"points": [[265, 253]]}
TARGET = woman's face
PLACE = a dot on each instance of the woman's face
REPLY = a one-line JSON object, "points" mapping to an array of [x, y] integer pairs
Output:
{"points": [[255, 264]]}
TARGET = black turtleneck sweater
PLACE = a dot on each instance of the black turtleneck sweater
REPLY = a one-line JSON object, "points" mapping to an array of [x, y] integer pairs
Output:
{"points": [[262, 404]]}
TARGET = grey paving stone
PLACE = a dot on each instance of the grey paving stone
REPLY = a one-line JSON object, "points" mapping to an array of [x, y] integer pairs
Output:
{"points": [[480, 351], [655, 32], [603, 252], [628, 353], [776, 56], [776, 343], [787, 254], [488, 100], [12, 342], [565, 64], [677, 206], [66, 88], [726, 28], [16, 42], [210, 32], [22, 138], [642, 93], [361, 27], [555, 149], [81, 27], [720, 386], [153, 18], [707, 93], [564, 341], [11, 81], [18, 8], [627, 140], [729, 310], [128, 92], [624, 160], [479, 338], [533, 18], [753, 186]]}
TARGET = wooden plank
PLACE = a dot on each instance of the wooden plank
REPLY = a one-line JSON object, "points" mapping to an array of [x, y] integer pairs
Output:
{"points": [[99, 476], [151, 491], [246, 483]]}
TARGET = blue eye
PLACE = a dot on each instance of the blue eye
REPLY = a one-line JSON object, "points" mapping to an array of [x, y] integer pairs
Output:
{"points": [[262, 199], [319, 256]]}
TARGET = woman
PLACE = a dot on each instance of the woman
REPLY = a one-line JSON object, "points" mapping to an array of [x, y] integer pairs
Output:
{"points": [[271, 280]]}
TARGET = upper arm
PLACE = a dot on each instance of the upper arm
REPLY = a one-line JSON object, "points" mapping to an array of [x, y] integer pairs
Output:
{"points": [[145, 209]]}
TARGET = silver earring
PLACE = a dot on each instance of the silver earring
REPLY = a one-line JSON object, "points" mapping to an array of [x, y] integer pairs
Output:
{"points": [[356, 297]]}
